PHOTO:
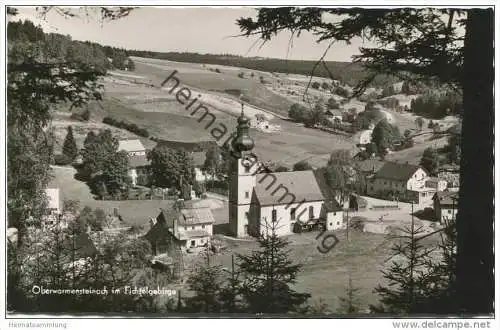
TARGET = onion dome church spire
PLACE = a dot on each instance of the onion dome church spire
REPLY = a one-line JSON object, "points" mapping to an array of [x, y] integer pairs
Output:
{"points": [[242, 141]]}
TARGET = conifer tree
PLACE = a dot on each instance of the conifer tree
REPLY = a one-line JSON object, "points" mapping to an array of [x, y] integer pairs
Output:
{"points": [[268, 275], [409, 276], [70, 149], [350, 304]]}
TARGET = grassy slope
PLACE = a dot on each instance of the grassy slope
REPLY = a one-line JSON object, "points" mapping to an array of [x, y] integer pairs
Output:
{"points": [[199, 77], [325, 276]]}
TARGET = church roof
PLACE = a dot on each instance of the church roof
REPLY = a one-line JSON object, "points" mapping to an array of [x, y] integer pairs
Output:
{"points": [[273, 188]]}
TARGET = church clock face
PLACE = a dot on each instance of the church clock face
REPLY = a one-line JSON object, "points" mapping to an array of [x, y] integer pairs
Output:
{"points": [[247, 161]]}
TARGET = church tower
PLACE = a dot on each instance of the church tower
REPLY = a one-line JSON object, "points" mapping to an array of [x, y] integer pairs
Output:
{"points": [[241, 178]]}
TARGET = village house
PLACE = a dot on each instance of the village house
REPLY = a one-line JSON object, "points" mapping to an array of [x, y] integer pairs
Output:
{"points": [[187, 225], [436, 184], [133, 147], [364, 137], [333, 115], [285, 201], [445, 205], [399, 179], [137, 160], [201, 176], [54, 200]]}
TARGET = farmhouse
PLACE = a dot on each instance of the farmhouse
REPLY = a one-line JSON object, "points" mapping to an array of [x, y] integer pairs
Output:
{"points": [[187, 225], [285, 201], [132, 147], [445, 205], [137, 159], [404, 180]]}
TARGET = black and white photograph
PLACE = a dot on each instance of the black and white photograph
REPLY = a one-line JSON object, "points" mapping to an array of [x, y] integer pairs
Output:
{"points": [[249, 160]]}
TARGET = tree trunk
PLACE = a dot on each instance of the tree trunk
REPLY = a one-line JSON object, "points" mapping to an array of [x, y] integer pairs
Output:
{"points": [[475, 217]]}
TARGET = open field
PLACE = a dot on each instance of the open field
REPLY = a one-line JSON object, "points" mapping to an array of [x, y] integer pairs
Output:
{"points": [[202, 78], [413, 155], [169, 121], [326, 276], [137, 98]]}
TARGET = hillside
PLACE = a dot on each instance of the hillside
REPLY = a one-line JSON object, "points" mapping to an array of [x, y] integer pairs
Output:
{"points": [[344, 71]]}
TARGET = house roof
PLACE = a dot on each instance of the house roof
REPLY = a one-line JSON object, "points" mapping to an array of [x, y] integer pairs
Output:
{"points": [[130, 145], [161, 230], [198, 158], [371, 165], [138, 161], [301, 185], [195, 216], [324, 187], [447, 198], [396, 171]]}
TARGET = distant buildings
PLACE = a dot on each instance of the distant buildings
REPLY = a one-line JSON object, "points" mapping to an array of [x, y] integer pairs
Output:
{"points": [[364, 137], [445, 205], [137, 159], [397, 177], [334, 115], [404, 181]]}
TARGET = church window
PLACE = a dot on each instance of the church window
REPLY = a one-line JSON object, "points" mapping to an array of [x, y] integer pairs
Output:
{"points": [[247, 169], [202, 226], [338, 223], [274, 215], [185, 228], [192, 227], [246, 215], [247, 194], [292, 214], [311, 212]]}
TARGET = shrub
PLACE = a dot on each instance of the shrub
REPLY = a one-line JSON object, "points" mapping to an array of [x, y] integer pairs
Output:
{"points": [[217, 70], [125, 125], [340, 91], [315, 85], [241, 75]]}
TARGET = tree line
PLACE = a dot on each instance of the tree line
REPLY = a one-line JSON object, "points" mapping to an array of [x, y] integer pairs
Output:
{"points": [[342, 71], [55, 47]]}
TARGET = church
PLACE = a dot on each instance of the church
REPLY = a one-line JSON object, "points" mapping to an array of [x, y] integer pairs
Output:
{"points": [[287, 202]]}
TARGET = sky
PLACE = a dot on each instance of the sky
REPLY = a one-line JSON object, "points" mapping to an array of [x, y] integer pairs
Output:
{"points": [[202, 30]]}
